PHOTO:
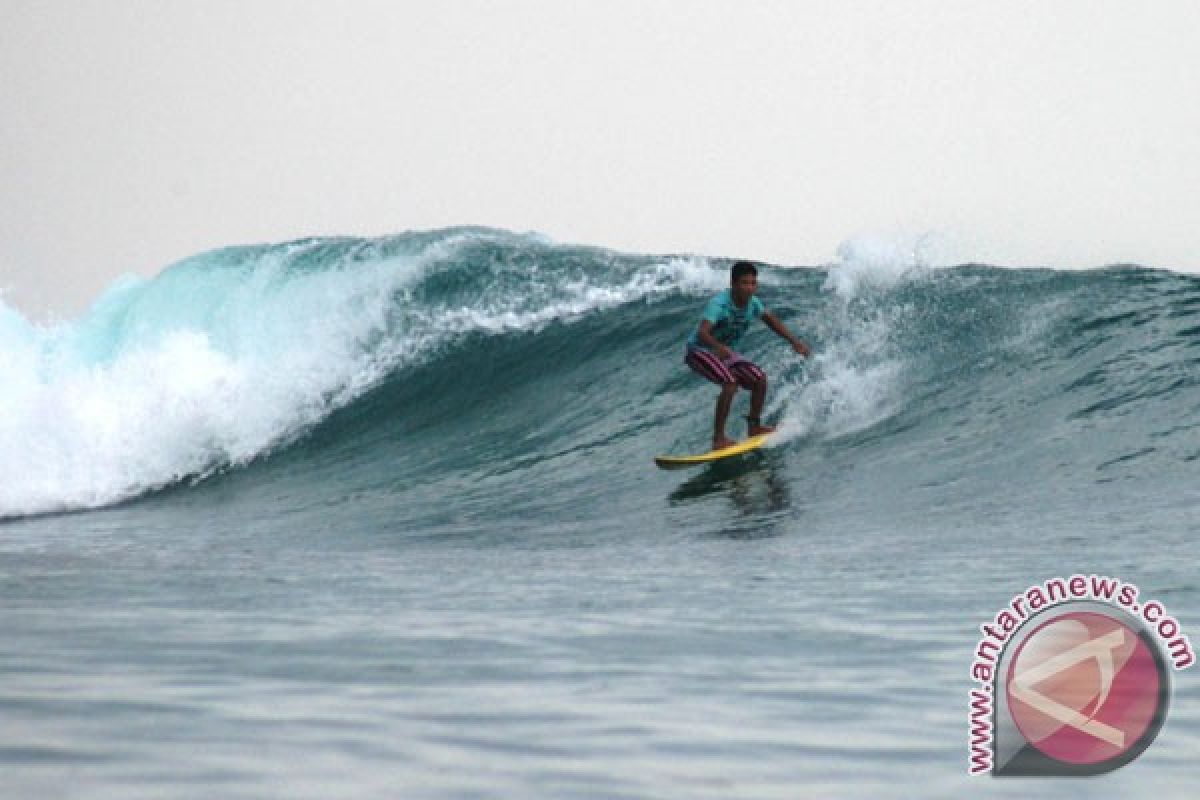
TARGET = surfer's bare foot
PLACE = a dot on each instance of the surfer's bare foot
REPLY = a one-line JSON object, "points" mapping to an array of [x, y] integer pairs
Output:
{"points": [[721, 442], [758, 430]]}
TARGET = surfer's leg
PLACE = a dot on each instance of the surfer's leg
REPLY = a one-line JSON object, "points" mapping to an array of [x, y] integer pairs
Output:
{"points": [[711, 368], [754, 421], [724, 401], [750, 376]]}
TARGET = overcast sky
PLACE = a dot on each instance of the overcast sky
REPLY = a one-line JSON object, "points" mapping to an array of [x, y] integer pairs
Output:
{"points": [[138, 133]]}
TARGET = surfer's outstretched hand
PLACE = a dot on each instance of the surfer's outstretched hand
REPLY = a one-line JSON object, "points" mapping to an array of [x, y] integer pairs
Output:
{"points": [[801, 348]]}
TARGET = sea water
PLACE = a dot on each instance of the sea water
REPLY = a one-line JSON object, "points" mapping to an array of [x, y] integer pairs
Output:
{"points": [[379, 518]]}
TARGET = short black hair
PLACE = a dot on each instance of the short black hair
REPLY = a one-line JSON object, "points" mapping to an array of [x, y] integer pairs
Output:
{"points": [[742, 268]]}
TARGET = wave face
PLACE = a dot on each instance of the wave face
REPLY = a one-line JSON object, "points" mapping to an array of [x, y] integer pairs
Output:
{"points": [[509, 373]]}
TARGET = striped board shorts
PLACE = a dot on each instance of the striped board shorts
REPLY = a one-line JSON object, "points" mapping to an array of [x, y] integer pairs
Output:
{"points": [[736, 369]]}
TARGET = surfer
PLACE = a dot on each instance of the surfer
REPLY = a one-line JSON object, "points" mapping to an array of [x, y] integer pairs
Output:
{"points": [[710, 349]]}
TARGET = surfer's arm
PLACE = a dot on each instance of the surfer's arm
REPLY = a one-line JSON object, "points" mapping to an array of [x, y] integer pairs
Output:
{"points": [[774, 324], [704, 334]]}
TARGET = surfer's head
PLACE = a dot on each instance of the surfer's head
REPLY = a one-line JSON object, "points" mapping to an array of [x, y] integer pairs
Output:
{"points": [[743, 280]]}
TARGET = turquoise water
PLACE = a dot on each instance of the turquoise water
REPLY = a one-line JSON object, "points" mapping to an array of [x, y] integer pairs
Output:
{"points": [[378, 518]]}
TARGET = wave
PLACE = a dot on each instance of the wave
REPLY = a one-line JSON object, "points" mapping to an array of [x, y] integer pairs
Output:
{"points": [[230, 355], [508, 349]]}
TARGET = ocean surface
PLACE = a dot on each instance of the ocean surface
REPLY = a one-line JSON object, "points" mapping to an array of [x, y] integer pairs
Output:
{"points": [[347, 518]]}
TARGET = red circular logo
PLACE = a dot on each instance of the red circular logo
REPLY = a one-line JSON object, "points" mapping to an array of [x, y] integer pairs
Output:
{"points": [[1084, 688]]}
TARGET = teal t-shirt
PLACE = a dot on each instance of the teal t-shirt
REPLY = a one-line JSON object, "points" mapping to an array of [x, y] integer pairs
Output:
{"points": [[728, 321]]}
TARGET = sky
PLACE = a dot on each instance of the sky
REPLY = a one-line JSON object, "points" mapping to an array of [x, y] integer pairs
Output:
{"points": [[135, 133]]}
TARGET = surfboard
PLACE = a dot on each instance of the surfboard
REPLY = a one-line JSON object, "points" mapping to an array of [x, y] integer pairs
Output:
{"points": [[744, 446]]}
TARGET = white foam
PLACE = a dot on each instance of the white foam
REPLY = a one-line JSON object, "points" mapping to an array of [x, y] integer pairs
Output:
{"points": [[854, 381], [176, 400], [839, 399], [881, 261]]}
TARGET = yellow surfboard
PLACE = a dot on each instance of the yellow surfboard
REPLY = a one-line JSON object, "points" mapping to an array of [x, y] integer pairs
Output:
{"points": [[744, 446]]}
